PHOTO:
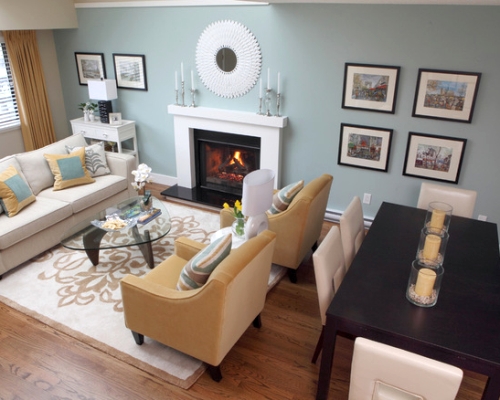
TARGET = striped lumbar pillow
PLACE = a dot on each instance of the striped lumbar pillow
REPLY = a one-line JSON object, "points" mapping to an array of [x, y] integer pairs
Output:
{"points": [[283, 198], [196, 272]]}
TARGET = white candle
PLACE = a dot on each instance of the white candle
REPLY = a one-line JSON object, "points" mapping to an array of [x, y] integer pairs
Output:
{"points": [[192, 80], [182, 72], [176, 85], [269, 78], [260, 89], [278, 89]]}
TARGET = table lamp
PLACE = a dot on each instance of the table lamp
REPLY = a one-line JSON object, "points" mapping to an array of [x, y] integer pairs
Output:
{"points": [[103, 90], [256, 200]]}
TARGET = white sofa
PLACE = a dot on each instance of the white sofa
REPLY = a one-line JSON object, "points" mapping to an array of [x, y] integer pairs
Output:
{"points": [[40, 225]]}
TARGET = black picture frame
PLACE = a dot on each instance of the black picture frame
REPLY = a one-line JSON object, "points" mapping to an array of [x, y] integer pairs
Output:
{"points": [[90, 66], [364, 147], [446, 95], [370, 87], [130, 71], [434, 157]]}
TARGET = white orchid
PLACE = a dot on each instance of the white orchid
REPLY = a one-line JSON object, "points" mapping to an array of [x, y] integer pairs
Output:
{"points": [[142, 176]]}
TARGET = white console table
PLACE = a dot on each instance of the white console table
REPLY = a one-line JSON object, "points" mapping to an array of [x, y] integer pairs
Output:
{"points": [[108, 133]]}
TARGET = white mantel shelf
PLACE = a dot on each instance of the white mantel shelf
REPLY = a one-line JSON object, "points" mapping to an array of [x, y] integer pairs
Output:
{"points": [[242, 117], [187, 119]]}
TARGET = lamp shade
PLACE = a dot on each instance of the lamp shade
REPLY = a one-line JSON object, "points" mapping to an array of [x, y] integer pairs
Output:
{"points": [[102, 89], [257, 192]]}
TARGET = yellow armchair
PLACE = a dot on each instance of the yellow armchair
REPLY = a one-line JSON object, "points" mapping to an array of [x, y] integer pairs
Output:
{"points": [[205, 322], [298, 227]]}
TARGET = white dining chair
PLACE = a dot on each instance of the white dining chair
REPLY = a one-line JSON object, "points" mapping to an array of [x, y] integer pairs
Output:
{"points": [[329, 271], [352, 230], [462, 200], [382, 372]]}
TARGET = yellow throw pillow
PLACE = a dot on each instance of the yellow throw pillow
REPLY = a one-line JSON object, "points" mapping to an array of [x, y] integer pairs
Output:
{"points": [[69, 169], [15, 194]]}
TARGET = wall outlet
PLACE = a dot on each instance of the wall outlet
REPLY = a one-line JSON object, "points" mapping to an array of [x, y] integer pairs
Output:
{"points": [[367, 198], [481, 217]]}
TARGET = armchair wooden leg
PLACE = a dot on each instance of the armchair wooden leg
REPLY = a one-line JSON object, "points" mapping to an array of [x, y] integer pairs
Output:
{"points": [[292, 275], [215, 373], [139, 339], [319, 346], [257, 322]]}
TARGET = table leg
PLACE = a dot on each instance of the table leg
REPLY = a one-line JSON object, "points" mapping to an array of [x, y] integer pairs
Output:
{"points": [[492, 389], [325, 372], [91, 242], [146, 248]]}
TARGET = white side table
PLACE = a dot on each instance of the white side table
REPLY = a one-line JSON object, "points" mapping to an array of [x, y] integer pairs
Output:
{"points": [[108, 133], [237, 240]]}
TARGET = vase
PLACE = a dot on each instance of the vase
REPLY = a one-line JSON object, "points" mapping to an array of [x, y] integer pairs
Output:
{"points": [[238, 227], [86, 117], [91, 116]]}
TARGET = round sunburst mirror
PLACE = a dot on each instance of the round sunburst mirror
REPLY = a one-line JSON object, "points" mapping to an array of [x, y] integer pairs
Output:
{"points": [[228, 59]]}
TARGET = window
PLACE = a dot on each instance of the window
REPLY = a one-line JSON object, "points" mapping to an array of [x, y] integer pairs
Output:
{"points": [[9, 115]]}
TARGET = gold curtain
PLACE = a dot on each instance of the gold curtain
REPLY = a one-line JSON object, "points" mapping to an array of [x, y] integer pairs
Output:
{"points": [[34, 110]]}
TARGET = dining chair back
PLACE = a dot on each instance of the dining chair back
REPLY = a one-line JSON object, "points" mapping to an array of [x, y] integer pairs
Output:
{"points": [[380, 371], [462, 200], [352, 230], [329, 271]]}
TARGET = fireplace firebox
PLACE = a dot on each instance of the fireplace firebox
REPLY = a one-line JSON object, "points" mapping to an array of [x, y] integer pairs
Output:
{"points": [[223, 160]]}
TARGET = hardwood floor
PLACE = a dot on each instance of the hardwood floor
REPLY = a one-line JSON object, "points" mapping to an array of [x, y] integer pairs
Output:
{"points": [[39, 362]]}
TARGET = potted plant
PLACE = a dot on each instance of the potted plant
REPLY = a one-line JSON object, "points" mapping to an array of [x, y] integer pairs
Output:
{"points": [[88, 110]]}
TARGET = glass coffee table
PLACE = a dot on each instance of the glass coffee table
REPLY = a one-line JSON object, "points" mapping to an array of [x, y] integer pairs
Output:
{"points": [[92, 235]]}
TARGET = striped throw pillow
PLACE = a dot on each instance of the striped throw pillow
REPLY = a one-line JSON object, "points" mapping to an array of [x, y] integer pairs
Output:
{"points": [[283, 198]]}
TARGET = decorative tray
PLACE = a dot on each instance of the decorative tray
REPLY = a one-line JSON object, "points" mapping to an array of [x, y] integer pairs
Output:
{"points": [[115, 224]]}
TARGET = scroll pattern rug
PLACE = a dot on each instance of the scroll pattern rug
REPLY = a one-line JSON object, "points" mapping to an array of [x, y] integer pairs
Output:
{"points": [[63, 289]]}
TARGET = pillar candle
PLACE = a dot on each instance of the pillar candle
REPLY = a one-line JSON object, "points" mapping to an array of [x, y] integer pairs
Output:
{"points": [[278, 88], [437, 219], [431, 247], [425, 282], [182, 72], [176, 85]]}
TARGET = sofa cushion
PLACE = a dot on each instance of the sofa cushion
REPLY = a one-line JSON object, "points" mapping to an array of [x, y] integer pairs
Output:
{"points": [[69, 169], [283, 197], [197, 270], [35, 167], [82, 197], [15, 194], [95, 158], [40, 215]]}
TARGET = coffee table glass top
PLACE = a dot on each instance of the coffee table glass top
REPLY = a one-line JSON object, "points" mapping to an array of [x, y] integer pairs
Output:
{"points": [[83, 236]]}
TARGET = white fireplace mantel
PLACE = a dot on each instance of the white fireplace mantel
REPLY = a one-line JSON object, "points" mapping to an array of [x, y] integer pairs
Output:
{"points": [[186, 119]]}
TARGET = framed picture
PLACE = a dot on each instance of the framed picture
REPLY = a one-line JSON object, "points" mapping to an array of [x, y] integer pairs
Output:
{"points": [[90, 66], [446, 95], [115, 118], [364, 147], [130, 71], [434, 157], [370, 87]]}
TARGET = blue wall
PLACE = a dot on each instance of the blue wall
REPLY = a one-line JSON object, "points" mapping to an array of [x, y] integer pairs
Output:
{"points": [[309, 45]]}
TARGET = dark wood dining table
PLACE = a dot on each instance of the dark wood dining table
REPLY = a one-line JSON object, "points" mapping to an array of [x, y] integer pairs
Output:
{"points": [[462, 329]]}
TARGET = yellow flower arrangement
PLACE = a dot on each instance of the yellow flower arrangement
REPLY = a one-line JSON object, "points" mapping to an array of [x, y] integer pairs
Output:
{"points": [[239, 224]]}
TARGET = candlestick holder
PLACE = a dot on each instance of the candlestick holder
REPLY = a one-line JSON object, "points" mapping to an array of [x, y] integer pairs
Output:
{"points": [[278, 104], [260, 107], [176, 97], [193, 91], [268, 102], [432, 246], [424, 284], [182, 94]]}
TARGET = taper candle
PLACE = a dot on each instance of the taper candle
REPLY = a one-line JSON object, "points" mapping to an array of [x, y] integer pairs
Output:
{"points": [[260, 89], [182, 72], [176, 84], [269, 78], [278, 87], [192, 80]]}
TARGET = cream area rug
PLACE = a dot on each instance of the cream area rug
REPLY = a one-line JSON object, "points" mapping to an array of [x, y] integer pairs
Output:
{"points": [[63, 289]]}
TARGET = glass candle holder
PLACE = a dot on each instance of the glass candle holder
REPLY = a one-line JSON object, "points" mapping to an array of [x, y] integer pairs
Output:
{"points": [[432, 246], [424, 284], [438, 216]]}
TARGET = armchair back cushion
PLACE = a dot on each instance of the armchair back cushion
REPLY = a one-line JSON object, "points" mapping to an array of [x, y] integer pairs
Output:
{"points": [[205, 322]]}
